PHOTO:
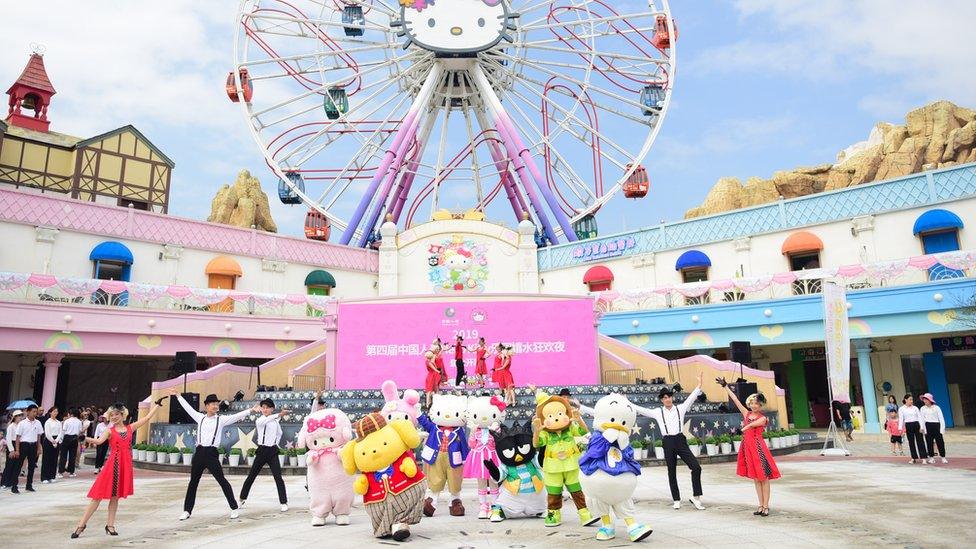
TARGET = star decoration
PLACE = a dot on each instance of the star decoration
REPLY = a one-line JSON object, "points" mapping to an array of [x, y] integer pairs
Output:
{"points": [[716, 425], [702, 424], [179, 441], [684, 430], [637, 429], [726, 424], [245, 441]]}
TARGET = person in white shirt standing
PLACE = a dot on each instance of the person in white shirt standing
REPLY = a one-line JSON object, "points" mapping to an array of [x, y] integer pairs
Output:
{"points": [[26, 447], [51, 444], [933, 425], [206, 457], [670, 419], [102, 449], [70, 430], [909, 421], [9, 438], [267, 430]]}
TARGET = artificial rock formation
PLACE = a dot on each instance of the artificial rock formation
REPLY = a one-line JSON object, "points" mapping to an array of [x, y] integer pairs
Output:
{"points": [[937, 135], [243, 204]]}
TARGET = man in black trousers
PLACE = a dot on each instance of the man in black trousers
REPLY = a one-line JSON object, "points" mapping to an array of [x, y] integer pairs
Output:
{"points": [[206, 457], [70, 431], [267, 431], [27, 447], [670, 419]]}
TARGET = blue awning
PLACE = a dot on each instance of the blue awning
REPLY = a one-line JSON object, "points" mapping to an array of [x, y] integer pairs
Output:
{"points": [[692, 259], [111, 251], [936, 220]]}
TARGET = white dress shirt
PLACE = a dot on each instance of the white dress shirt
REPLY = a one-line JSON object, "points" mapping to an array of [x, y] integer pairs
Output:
{"points": [[53, 431], [670, 420], [100, 428], [210, 428], [71, 426], [11, 435], [268, 429], [29, 430], [908, 414], [932, 414]]}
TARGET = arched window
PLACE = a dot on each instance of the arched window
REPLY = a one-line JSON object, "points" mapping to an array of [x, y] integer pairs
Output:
{"points": [[693, 266], [939, 232], [802, 250], [598, 278], [222, 273], [111, 261]]}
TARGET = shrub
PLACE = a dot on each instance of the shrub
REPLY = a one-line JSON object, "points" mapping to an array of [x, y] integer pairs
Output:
{"points": [[187, 450], [636, 444], [658, 443], [736, 438], [221, 451], [725, 439], [694, 442], [251, 452], [236, 452]]}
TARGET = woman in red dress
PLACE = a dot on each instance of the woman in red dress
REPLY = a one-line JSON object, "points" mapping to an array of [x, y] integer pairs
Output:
{"points": [[504, 375], [480, 366], [433, 381], [497, 365], [114, 482], [755, 459], [439, 361]]}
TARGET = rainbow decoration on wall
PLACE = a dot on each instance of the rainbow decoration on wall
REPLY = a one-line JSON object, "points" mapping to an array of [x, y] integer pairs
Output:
{"points": [[859, 327], [225, 347], [697, 340], [60, 341]]}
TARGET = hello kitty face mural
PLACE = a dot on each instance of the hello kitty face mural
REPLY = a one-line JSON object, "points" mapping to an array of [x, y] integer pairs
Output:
{"points": [[456, 27]]}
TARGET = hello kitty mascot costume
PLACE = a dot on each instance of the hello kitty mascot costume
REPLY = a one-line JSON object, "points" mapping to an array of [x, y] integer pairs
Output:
{"points": [[485, 415], [330, 491]]}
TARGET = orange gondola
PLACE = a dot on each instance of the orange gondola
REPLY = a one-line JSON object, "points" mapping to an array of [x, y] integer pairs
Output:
{"points": [[637, 184], [247, 88], [317, 226], [662, 39]]}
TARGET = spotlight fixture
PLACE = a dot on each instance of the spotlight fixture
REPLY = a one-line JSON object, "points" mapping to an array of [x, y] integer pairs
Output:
{"points": [[238, 396]]}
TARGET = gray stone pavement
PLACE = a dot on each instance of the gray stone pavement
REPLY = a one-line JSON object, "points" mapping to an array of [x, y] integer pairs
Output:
{"points": [[863, 501]]}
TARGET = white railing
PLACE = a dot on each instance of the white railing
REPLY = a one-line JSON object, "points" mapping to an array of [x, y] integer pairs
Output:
{"points": [[43, 288], [900, 272]]}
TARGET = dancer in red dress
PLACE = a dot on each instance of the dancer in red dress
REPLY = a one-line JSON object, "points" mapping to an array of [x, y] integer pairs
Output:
{"points": [[439, 361], [114, 482], [755, 459], [504, 375], [480, 366], [497, 365], [433, 381]]}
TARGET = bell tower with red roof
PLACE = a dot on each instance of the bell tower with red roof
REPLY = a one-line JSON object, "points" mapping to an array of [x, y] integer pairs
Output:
{"points": [[31, 92]]}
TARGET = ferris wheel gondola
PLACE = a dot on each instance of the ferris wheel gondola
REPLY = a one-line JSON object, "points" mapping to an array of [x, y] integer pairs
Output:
{"points": [[393, 111]]}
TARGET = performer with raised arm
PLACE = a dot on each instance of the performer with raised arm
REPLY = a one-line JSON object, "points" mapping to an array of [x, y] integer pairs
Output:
{"points": [[267, 429], [114, 482], [670, 419], [205, 457], [755, 459]]}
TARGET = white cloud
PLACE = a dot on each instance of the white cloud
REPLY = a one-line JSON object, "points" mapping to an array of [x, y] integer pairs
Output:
{"points": [[724, 138], [921, 45]]}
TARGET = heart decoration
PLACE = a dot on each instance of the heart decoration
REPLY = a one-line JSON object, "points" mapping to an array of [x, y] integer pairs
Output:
{"points": [[284, 346], [942, 319], [149, 342], [639, 340], [771, 332]]}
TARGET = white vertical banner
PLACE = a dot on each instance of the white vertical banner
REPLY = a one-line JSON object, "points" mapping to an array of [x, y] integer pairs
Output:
{"points": [[837, 340]]}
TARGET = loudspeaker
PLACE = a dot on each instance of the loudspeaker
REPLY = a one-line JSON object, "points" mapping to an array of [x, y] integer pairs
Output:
{"points": [[176, 412], [742, 390], [741, 352], [186, 362]]}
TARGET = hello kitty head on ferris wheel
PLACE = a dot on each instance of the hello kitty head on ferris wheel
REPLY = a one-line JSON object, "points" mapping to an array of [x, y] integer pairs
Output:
{"points": [[455, 27]]}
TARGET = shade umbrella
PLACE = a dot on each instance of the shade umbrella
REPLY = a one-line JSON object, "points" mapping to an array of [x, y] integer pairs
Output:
{"points": [[21, 404]]}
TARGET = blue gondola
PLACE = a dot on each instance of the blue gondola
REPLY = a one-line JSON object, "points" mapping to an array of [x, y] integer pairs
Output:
{"points": [[285, 192], [652, 99], [336, 103], [353, 15]]}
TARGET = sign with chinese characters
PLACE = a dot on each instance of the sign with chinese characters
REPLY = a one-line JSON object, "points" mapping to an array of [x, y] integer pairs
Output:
{"points": [[605, 248], [837, 341], [379, 341]]}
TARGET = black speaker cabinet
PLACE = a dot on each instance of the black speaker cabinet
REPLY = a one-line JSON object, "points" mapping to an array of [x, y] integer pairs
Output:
{"points": [[742, 390], [186, 362], [176, 412], [741, 352]]}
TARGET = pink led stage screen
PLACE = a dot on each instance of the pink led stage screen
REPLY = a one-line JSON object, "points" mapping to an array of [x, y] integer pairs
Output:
{"points": [[554, 340]]}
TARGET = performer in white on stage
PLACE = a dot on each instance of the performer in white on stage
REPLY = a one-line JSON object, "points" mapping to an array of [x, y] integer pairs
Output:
{"points": [[670, 419], [102, 449], [205, 457], [267, 430]]}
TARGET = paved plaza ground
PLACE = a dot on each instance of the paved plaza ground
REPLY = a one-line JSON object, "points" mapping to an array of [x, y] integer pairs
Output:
{"points": [[868, 500]]}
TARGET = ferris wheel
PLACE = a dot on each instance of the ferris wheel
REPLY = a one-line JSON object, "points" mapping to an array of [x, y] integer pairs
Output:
{"points": [[376, 110]]}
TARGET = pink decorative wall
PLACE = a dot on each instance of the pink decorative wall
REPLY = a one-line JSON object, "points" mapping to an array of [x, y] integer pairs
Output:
{"points": [[554, 339], [51, 210]]}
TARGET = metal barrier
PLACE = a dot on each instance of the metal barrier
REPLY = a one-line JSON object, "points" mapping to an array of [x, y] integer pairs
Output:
{"points": [[619, 377], [303, 382]]}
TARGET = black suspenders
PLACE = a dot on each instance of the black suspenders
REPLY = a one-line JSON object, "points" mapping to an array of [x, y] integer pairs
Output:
{"points": [[664, 421], [213, 442]]}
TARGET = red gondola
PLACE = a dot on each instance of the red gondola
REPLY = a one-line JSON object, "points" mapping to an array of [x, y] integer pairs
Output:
{"points": [[637, 184], [246, 85], [662, 40], [317, 226]]}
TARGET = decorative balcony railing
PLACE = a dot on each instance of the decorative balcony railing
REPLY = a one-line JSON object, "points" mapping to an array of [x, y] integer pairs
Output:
{"points": [[900, 272], [45, 288]]}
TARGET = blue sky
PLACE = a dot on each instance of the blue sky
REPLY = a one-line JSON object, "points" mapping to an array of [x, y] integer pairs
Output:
{"points": [[762, 85]]}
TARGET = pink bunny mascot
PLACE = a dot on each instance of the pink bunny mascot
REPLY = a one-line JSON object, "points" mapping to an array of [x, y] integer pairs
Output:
{"points": [[329, 487], [407, 407]]}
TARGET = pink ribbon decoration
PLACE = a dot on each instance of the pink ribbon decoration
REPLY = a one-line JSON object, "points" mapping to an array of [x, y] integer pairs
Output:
{"points": [[328, 422], [498, 403], [319, 453]]}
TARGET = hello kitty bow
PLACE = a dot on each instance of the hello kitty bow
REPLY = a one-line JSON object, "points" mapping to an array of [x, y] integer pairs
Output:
{"points": [[328, 422], [498, 403]]}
